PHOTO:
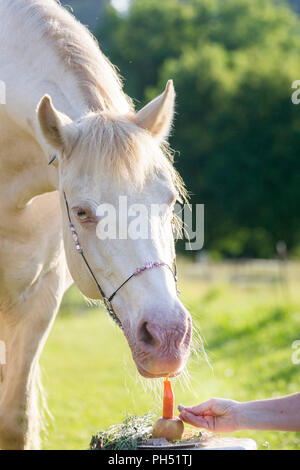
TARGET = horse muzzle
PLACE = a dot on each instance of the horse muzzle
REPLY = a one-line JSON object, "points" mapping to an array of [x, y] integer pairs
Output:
{"points": [[162, 346]]}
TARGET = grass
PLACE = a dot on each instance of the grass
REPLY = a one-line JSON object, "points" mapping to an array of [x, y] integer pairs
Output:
{"points": [[248, 318]]}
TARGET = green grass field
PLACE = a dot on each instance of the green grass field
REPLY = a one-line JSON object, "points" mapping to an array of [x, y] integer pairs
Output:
{"points": [[249, 319]]}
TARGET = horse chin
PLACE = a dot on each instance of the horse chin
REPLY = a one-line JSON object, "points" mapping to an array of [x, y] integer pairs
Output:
{"points": [[149, 375]]}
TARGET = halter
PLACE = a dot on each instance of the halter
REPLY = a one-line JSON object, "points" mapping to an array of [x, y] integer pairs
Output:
{"points": [[108, 300]]}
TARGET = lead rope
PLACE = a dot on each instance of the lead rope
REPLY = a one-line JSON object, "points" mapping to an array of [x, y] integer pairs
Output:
{"points": [[107, 300]]}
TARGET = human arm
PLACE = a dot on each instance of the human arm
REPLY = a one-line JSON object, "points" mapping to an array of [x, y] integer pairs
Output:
{"points": [[222, 415]]}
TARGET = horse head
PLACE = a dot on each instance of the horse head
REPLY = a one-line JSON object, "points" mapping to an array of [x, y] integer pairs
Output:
{"points": [[103, 159]]}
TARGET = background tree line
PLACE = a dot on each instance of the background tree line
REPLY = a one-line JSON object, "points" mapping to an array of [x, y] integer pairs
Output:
{"points": [[237, 132]]}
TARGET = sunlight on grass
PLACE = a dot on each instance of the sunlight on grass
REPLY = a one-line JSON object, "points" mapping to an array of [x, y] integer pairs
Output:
{"points": [[91, 380]]}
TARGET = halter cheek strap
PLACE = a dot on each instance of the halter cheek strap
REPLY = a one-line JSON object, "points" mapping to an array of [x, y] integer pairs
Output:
{"points": [[107, 300]]}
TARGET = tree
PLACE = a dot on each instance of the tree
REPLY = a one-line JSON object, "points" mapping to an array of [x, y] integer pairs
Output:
{"points": [[87, 11], [237, 130]]}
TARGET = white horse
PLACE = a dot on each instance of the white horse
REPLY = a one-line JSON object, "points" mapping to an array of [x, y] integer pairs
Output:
{"points": [[103, 150]]}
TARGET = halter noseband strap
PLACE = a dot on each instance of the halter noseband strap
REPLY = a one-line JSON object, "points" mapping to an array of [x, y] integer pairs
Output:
{"points": [[107, 300]]}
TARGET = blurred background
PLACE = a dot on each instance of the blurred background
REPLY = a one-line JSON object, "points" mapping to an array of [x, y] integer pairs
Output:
{"points": [[237, 132], [237, 141]]}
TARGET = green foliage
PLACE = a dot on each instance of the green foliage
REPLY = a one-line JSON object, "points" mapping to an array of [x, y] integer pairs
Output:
{"points": [[140, 42], [128, 435], [237, 130]]}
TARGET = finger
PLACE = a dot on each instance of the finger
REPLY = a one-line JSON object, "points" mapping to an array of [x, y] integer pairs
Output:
{"points": [[198, 421], [204, 407]]}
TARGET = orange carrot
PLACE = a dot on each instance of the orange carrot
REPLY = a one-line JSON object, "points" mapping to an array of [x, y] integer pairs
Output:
{"points": [[168, 403]]}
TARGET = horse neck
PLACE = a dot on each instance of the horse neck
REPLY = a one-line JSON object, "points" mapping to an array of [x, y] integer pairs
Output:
{"points": [[63, 89], [77, 78], [24, 153], [30, 153], [36, 70]]}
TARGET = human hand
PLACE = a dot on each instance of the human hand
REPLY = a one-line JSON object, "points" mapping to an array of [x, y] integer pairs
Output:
{"points": [[217, 414]]}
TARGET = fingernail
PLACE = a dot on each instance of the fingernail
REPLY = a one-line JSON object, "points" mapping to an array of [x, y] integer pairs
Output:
{"points": [[181, 407]]}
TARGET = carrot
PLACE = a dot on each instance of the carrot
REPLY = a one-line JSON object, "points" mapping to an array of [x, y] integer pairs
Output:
{"points": [[169, 426], [168, 402]]}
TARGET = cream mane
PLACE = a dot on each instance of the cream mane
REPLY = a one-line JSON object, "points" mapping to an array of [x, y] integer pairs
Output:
{"points": [[78, 51]]}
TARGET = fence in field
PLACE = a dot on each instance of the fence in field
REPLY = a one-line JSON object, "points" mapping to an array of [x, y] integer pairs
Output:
{"points": [[244, 272]]}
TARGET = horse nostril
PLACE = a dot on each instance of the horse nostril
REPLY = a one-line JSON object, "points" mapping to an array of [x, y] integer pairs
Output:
{"points": [[145, 336]]}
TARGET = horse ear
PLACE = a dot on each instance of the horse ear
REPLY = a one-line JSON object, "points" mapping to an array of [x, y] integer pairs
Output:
{"points": [[56, 127], [157, 116]]}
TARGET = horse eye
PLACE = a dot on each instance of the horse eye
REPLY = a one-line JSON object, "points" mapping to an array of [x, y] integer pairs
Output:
{"points": [[81, 214]]}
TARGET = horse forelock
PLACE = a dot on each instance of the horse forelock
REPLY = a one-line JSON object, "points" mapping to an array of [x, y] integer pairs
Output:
{"points": [[110, 144]]}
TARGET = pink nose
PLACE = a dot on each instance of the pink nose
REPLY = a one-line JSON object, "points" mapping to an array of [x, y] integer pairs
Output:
{"points": [[163, 345]]}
